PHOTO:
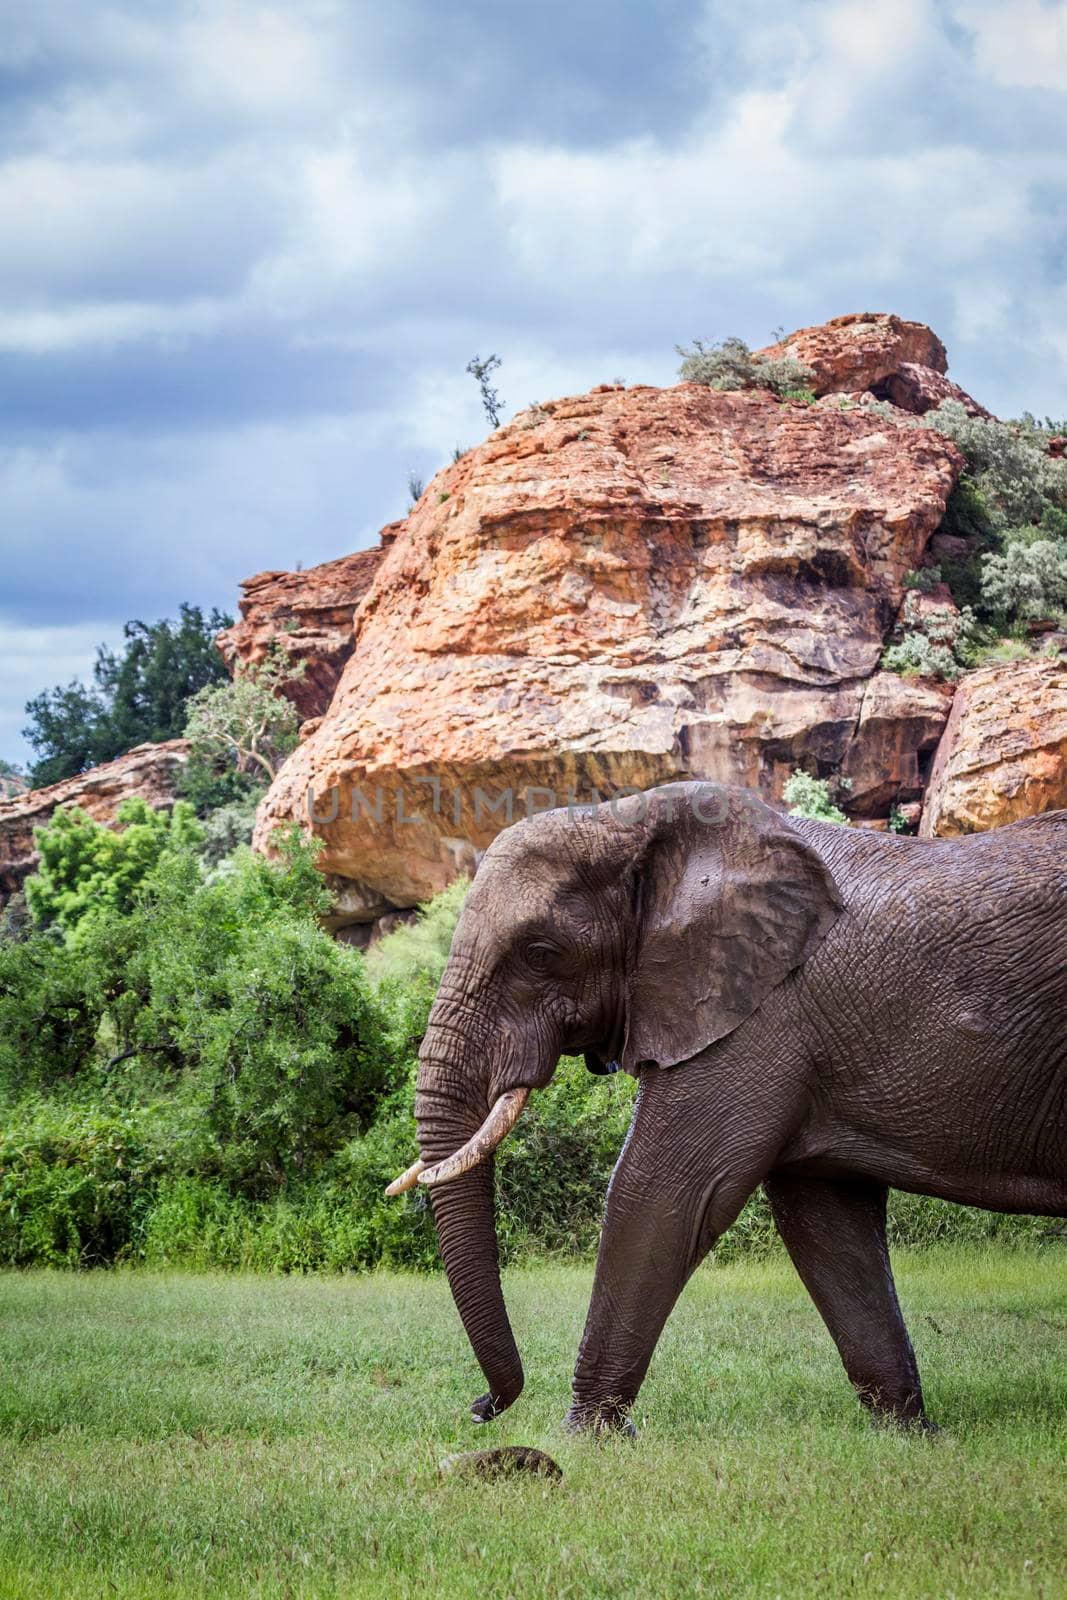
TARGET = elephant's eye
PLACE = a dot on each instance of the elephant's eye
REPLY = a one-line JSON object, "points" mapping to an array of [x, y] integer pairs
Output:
{"points": [[539, 955]]}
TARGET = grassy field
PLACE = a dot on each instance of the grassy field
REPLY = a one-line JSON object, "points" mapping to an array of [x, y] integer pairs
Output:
{"points": [[170, 1435]]}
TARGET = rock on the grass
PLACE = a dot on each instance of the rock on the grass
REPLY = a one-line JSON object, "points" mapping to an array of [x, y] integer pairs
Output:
{"points": [[506, 1461], [1003, 754]]}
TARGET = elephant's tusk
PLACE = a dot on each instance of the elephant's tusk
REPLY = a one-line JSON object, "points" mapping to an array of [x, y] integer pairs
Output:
{"points": [[496, 1127], [407, 1180]]}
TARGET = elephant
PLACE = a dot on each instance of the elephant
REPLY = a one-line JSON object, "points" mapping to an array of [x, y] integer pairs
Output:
{"points": [[827, 1011]]}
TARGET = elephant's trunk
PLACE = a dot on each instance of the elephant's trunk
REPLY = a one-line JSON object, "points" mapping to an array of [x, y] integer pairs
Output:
{"points": [[466, 1224]]}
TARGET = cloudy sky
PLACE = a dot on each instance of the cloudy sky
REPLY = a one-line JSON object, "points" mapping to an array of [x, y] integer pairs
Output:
{"points": [[247, 249]]}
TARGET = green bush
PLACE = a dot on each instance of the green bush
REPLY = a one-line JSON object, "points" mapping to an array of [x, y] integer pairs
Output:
{"points": [[89, 871], [420, 948], [52, 1002], [76, 1181], [268, 1022], [933, 642], [1028, 581], [732, 365], [808, 796], [555, 1167]]}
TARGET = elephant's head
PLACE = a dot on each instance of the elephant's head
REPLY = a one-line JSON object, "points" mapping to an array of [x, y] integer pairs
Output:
{"points": [[639, 931]]}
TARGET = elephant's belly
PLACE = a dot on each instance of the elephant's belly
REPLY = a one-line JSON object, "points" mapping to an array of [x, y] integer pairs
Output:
{"points": [[846, 1153]]}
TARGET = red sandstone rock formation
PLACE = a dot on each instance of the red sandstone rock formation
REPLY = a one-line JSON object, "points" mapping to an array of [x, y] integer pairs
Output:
{"points": [[622, 588], [1004, 752], [309, 615], [151, 770], [860, 351]]}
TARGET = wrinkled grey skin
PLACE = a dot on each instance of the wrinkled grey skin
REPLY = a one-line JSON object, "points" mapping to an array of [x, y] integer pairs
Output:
{"points": [[823, 1011]]}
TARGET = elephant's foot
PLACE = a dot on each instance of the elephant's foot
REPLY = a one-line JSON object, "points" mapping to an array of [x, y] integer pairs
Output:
{"points": [[600, 1418], [906, 1414]]}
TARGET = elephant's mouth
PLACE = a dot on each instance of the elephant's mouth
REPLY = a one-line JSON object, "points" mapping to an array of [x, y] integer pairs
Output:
{"points": [[478, 1148]]}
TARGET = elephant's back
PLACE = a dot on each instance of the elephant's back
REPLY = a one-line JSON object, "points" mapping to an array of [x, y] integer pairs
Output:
{"points": [[991, 891]]}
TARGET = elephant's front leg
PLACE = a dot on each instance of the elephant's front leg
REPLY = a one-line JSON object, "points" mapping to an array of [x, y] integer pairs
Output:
{"points": [[692, 1158], [834, 1231]]}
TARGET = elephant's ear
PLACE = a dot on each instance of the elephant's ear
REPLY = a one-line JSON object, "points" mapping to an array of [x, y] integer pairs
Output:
{"points": [[730, 899]]}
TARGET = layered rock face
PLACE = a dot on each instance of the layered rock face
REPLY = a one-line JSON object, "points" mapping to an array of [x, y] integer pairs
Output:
{"points": [[619, 589], [309, 616], [1004, 752], [150, 770]]}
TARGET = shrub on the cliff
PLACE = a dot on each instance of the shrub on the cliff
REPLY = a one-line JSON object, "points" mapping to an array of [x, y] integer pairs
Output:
{"points": [[934, 641], [1007, 461], [808, 796], [1029, 580], [732, 365], [925, 580]]}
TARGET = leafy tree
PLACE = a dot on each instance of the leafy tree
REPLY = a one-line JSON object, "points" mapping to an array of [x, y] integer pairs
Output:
{"points": [[246, 724], [163, 665], [138, 696], [88, 870], [70, 732]]}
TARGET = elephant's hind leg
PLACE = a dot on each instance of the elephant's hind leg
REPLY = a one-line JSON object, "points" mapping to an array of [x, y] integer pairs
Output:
{"points": [[834, 1231]]}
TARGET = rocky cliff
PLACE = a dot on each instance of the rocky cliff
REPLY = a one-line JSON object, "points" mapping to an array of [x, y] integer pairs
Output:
{"points": [[150, 770], [308, 616], [629, 586]]}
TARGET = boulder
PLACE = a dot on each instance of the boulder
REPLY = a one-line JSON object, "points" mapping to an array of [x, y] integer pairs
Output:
{"points": [[861, 351], [308, 615], [920, 389], [1003, 754], [900, 723], [150, 770], [615, 590]]}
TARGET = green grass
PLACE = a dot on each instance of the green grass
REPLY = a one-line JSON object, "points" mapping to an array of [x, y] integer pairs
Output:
{"points": [[179, 1435]]}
